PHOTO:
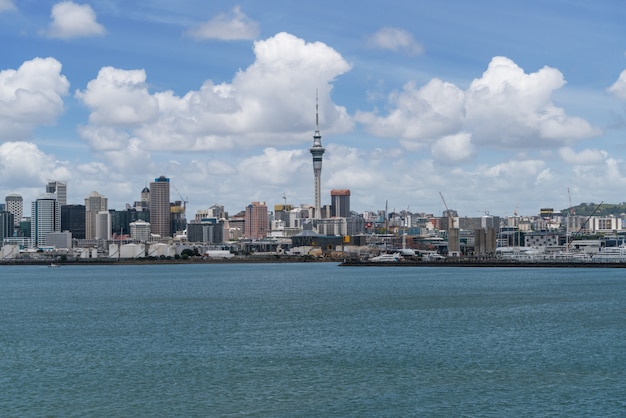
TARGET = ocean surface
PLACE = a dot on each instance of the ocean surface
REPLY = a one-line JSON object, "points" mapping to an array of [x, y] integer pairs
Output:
{"points": [[311, 339]]}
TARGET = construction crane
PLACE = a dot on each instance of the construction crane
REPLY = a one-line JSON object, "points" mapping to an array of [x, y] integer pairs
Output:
{"points": [[584, 224], [184, 200], [447, 211]]}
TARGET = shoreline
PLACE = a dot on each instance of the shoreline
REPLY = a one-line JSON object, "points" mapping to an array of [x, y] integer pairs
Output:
{"points": [[340, 262]]}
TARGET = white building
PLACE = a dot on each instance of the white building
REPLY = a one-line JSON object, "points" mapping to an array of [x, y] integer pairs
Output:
{"points": [[94, 203], [103, 225], [45, 218], [15, 205], [140, 230]]}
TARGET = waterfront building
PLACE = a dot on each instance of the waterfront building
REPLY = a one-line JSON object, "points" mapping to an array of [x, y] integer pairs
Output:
{"points": [[340, 203], [94, 203], [209, 231], [45, 218], [605, 224], [73, 220], [59, 239], [160, 207], [140, 230], [317, 151], [256, 221], [15, 204], [59, 189]]}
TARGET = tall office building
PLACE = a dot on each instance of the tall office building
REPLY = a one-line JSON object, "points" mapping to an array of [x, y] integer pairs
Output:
{"points": [[45, 218], [256, 221], [340, 203], [160, 207], [73, 220], [94, 203], [7, 225], [15, 204], [103, 225], [317, 150], [59, 188]]}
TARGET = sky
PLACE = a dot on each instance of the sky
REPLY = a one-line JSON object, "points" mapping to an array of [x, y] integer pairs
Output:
{"points": [[502, 108]]}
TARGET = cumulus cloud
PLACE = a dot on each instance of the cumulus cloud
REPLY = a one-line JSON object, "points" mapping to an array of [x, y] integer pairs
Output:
{"points": [[71, 20], [233, 26], [453, 149], [7, 6], [31, 96], [505, 108], [618, 89], [119, 97], [584, 157], [274, 166], [419, 114], [25, 164], [395, 39], [270, 103]]}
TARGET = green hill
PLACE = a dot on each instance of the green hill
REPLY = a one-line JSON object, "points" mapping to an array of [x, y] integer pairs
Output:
{"points": [[586, 209]]}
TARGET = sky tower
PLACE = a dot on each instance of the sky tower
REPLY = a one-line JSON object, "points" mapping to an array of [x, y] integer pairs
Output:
{"points": [[317, 150]]}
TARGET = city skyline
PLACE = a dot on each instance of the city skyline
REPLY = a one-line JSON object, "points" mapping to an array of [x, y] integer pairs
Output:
{"points": [[501, 108]]}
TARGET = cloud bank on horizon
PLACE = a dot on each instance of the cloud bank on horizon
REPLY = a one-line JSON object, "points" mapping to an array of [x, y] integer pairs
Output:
{"points": [[398, 125]]}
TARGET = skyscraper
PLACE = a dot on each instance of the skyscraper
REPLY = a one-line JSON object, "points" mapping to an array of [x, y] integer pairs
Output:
{"points": [[73, 220], [317, 150], [15, 205], [256, 221], [59, 188], [45, 218], [7, 225], [94, 203], [160, 206], [340, 203]]}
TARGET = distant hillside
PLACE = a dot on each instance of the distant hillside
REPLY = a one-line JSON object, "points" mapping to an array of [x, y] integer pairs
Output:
{"points": [[586, 209]]}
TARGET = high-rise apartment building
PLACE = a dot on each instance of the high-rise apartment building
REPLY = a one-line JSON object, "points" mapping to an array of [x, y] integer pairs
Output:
{"points": [[45, 218], [59, 188], [256, 221], [340, 203], [15, 204], [317, 150], [160, 207], [94, 203]]}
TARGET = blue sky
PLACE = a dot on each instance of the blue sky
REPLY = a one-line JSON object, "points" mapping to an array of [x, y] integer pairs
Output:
{"points": [[500, 106]]}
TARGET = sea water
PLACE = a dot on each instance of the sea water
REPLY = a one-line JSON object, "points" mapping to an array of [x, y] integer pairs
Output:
{"points": [[311, 339]]}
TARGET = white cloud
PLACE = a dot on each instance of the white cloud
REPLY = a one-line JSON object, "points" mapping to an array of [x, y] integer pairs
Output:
{"points": [[584, 157], [25, 164], [618, 89], [505, 108], [270, 103], [227, 27], [509, 108], [71, 20], [119, 97], [31, 96], [7, 6], [453, 149], [395, 39], [274, 167], [431, 111]]}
